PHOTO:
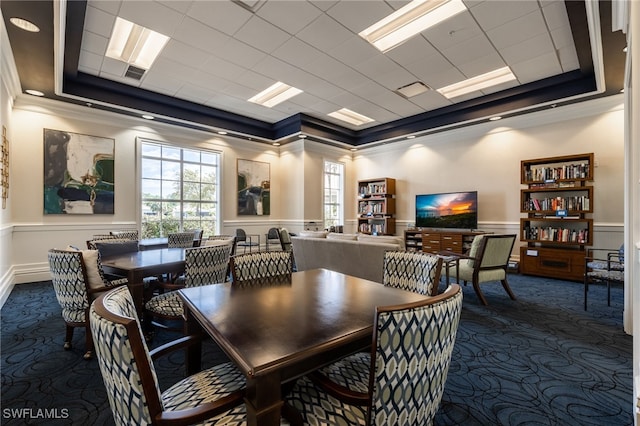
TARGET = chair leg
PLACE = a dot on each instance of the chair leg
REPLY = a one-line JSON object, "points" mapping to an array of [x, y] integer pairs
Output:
{"points": [[505, 284], [68, 338], [88, 342], [476, 287]]}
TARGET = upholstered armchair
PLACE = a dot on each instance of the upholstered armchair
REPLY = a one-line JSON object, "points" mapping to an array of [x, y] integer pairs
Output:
{"points": [[78, 279], [487, 261], [213, 396], [414, 271], [404, 378]]}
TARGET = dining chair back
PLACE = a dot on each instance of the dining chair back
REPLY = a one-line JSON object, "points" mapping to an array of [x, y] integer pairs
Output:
{"points": [[131, 380], [197, 236], [258, 265], [285, 240], [243, 240], [129, 234], [604, 266], [75, 288], [203, 265], [180, 240], [273, 234], [414, 271], [410, 358], [113, 246]]}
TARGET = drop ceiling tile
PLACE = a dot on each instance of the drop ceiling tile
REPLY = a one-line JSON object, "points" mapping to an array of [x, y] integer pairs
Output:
{"points": [[536, 46], [196, 34], [238, 91], [290, 16], [555, 13], [119, 78], [500, 87], [182, 53], [358, 15], [562, 37], [327, 68], [211, 82], [353, 51], [315, 85], [224, 16], [151, 15], [377, 66], [490, 62], [262, 35], [89, 62], [568, 58], [94, 43], [492, 14], [469, 51], [412, 50], [518, 30], [196, 94], [181, 6], [455, 30], [324, 33], [221, 68], [296, 52], [276, 69], [240, 53], [430, 101], [98, 21], [253, 80], [386, 98], [323, 4], [110, 6], [435, 71], [537, 68], [113, 67]]}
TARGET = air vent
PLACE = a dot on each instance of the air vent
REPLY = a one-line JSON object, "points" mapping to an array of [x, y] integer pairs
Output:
{"points": [[413, 89], [134, 72]]}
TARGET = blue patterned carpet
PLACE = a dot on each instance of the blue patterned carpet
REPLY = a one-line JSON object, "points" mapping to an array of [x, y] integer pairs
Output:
{"points": [[541, 360]]}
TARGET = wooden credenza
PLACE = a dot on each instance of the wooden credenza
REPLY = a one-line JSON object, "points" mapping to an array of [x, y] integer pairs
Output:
{"points": [[436, 240], [550, 262]]}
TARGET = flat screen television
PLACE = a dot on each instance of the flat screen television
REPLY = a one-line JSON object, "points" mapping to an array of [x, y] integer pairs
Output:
{"points": [[457, 210]]}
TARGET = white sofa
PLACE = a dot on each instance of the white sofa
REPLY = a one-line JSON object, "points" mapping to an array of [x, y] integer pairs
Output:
{"points": [[353, 254]]}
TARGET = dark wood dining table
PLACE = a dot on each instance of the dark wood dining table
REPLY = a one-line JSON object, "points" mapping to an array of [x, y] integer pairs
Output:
{"points": [[138, 265], [276, 332]]}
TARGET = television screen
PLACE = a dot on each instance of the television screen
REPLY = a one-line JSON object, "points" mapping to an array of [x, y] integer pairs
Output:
{"points": [[447, 210]]}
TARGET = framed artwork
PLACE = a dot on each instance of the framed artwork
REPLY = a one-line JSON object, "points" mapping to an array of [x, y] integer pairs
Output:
{"points": [[78, 173], [254, 197]]}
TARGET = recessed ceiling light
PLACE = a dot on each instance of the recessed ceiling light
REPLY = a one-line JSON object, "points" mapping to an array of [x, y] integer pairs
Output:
{"points": [[302, 136], [413, 89], [496, 118], [625, 49], [410, 20], [148, 117], [222, 132], [276, 144], [34, 92], [275, 94], [25, 25], [354, 149], [492, 78], [411, 137], [134, 44], [349, 116]]}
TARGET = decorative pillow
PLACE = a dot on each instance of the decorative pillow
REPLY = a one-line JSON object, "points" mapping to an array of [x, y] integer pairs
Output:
{"points": [[312, 234], [338, 236], [92, 265]]}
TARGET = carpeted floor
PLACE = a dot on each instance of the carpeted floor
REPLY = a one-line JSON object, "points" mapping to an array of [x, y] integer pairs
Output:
{"points": [[541, 360]]}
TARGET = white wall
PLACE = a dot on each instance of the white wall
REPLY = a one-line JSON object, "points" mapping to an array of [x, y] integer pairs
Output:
{"points": [[486, 158]]}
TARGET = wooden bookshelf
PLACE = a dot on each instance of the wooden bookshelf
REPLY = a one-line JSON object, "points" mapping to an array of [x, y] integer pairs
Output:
{"points": [[377, 206], [556, 228]]}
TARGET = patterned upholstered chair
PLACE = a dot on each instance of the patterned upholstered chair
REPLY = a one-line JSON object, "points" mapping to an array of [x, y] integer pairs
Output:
{"points": [[260, 265], [212, 397], [487, 261], [197, 236], [414, 271], [603, 265], [77, 281], [410, 358], [180, 239], [203, 265]]}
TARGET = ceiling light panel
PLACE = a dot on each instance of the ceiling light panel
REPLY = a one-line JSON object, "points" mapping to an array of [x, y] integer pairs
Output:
{"points": [[134, 44], [275, 94], [409, 21], [413, 89], [480, 82], [351, 117]]}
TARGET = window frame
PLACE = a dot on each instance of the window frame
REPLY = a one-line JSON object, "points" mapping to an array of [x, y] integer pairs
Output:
{"points": [[216, 222], [341, 203]]}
